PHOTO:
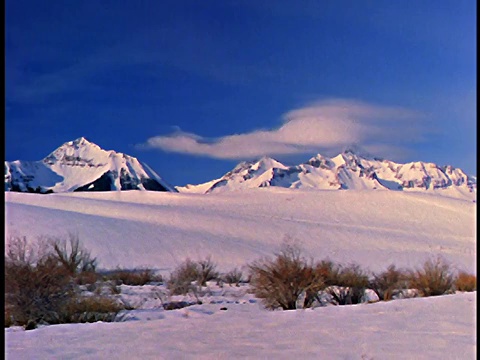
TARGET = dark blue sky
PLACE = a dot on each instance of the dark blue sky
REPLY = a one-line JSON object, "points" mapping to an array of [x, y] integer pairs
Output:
{"points": [[193, 87]]}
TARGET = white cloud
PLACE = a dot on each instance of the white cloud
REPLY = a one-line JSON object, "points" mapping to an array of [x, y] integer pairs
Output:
{"points": [[322, 126]]}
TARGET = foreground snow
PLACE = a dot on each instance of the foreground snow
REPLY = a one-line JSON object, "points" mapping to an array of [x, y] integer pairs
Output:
{"points": [[422, 328], [159, 230]]}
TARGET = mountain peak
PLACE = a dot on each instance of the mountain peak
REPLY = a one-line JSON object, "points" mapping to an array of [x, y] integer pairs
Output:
{"points": [[80, 165], [354, 168], [265, 158], [76, 150], [357, 150], [267, 162], [80, 142]]}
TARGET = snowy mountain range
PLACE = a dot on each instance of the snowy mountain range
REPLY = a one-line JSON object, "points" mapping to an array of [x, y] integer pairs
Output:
{"points": [[348, 170], [81, 165]]}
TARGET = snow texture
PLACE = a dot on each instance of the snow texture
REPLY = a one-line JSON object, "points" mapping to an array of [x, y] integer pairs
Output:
{"points": [[161, 229], [421, 328]]}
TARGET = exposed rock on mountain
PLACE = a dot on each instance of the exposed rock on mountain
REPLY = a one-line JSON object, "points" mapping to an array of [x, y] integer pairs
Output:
{"points": [[81, 165], [348, 170]]}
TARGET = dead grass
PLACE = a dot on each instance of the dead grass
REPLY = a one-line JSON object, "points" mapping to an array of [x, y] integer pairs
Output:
{"points": [[91, 309], [135, 277]]}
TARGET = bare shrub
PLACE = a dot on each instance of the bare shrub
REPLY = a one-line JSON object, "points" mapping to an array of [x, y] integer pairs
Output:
{"points": [[189, 276], [350, 283], [233, 277], [181, 279], [184, 280], [72, 255], [465, 282], [328, 271], [38, 292], [387, 282], [433, 279], [135, 277], [280, 282], [42, 284], [20, 251], [207, 271]]}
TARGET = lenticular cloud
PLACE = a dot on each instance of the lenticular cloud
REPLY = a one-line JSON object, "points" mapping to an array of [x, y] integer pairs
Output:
{"points": [[325, 125]]}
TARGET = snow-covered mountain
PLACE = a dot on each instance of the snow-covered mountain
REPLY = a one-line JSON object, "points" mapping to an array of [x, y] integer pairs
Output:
{"points": [[81, 165], [348, 170]]}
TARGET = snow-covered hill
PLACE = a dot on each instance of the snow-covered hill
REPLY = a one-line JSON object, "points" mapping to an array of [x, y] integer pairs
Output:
{"points": [[161, 229], [348, 170], [81, 165]]}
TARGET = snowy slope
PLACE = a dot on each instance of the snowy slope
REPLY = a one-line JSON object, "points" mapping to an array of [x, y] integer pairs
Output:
{"points": [[80, 165], [159, 229], [348, 170]]}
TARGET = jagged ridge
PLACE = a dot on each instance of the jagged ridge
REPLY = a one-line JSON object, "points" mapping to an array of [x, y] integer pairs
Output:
{"points": [[347, 170], [81, 165]]}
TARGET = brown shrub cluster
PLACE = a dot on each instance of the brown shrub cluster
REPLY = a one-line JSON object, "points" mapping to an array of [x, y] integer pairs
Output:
{"points": [[42, 281], [386, 283], [434, 278], [91, 309], [350, 283], [190, 275], [37, 292], [280, 282], [465, 282], [135, 277], [42, 284]]}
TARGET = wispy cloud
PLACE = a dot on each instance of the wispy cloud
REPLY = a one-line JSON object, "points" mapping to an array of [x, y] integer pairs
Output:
{"points": [[324, 126]]}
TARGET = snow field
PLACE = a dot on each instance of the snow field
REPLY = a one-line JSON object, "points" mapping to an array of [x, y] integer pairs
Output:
{"points": [[159, 230]]}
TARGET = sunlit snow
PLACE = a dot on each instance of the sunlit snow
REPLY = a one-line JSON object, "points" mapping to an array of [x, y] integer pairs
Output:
{"points": [[159, 230]]}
